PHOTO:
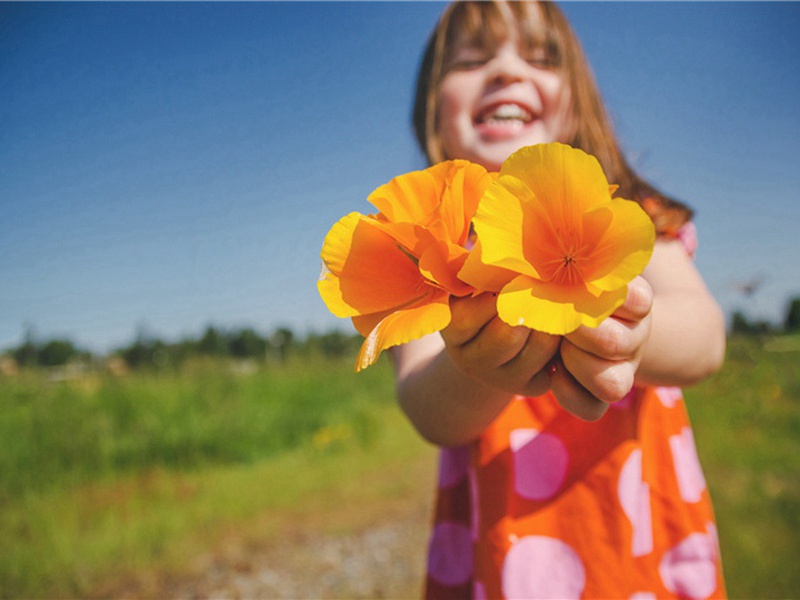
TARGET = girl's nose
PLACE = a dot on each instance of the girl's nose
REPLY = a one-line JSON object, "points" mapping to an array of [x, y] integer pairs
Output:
{"points": [[507, 66]]}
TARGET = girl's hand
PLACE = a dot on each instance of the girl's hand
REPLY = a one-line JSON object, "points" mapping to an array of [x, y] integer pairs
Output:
{"points": [[512, 359], [598, 365]]}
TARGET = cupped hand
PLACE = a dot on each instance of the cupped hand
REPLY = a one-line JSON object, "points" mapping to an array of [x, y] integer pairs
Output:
{"points": [[598, 365], [513, 359]]}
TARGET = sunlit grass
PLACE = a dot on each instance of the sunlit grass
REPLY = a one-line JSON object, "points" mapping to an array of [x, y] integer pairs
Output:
{"points": [[103, 476], [747, 424], [102, 479], [78, 540]]}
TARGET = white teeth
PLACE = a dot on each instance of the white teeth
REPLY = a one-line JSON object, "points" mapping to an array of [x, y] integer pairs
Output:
{"points": [[508, 112]]}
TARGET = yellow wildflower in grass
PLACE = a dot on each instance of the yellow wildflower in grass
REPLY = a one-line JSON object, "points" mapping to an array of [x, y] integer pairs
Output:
{"points": [[554, 243], [393, 272]]}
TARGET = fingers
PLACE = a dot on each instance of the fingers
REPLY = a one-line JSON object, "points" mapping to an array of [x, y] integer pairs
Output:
{"points": [[623, 335], [487, 349], [638, 303], [494, 345], [611, 340], [574, 398], [527, 370], [602, 361], [607, 380], [468, 317], [596, 368]]}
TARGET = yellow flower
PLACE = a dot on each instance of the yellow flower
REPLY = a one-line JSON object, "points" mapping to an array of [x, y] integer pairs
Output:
{"points": [[393, 272], [554, 243]]}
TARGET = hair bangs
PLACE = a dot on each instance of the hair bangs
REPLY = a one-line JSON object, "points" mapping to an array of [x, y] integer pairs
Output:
{"points": [[486, 25], [537, 30], [475, 25]]}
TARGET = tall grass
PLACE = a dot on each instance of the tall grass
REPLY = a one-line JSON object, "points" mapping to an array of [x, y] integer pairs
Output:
{"points": [[102, 476], [57, 434], [102, 473], [747, 424]]}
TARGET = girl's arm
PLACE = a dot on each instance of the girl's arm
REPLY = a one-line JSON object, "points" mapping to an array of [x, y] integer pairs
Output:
{"points": [[687, 342], [453, 385]]}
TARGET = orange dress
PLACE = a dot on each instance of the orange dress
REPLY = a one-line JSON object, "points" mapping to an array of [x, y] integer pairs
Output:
{"points": [[544, 505]]}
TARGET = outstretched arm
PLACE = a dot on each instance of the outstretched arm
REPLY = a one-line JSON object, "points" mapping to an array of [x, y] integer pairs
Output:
{"points": [[687, 343], [453, 385]]}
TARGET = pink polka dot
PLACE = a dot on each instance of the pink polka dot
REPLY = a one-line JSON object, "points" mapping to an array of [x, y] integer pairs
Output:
{"points": [[669, 396], [691, 482], [478, 591], [626, 402], [542, 567], [643, 596], [690, 568], [453, 464], [711, 528], [475, 513], [450, 554], [540, 463], [634, 496]]}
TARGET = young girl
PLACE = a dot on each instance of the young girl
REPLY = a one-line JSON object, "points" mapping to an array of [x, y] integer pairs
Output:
{"points": [[568, 467]]}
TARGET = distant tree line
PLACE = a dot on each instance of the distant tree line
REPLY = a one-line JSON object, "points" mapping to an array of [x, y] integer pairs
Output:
{"points": [[741, 325], [147, 350], [247, 343]]}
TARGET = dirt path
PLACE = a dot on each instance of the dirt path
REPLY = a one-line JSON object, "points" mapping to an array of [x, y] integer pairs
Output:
{"points": [[378, 554], [385, 560]]}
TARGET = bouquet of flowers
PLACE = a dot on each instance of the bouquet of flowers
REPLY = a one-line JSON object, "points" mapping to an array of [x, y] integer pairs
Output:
{"points": [[545, 234]]}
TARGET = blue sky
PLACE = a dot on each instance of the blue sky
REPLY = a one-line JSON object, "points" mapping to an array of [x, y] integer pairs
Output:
{"points": [[170, 165]]}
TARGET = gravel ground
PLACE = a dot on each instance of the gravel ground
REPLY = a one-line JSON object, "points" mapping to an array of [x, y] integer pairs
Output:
{"points": [[385, 560]]}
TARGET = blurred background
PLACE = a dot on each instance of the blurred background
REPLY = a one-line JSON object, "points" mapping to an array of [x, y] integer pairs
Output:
{"points": [[177, 407]]}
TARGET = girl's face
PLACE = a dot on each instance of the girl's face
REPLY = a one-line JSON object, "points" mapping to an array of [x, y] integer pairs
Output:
{"points": [[492, 103]]}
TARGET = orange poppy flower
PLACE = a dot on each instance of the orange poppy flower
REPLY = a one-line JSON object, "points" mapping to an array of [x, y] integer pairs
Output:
{"points": [[393, 272], [566, 248]]}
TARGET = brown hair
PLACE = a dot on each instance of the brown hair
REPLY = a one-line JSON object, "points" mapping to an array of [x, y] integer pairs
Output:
{"points": [[542, 25]]}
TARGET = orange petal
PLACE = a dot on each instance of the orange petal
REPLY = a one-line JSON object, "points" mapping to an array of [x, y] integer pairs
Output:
{"points": [[566, 179], [405, 234], [483, 277], [499, 225], [553, 309], [623, 249], [403, 326], [441, 262], [465, 184], [366, 271], [409, 198]]}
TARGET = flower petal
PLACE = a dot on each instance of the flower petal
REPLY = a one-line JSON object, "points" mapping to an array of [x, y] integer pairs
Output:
{"points": [[553, 309], [623, 249], [524, 301], [565, 178], [406, 234], [449, 191], [402, 326], [483, 277], [498, 223], [441, 262], [466, 183], [408, 198], [366, 271]]}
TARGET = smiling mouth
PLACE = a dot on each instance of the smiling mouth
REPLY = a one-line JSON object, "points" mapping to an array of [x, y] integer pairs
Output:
{"points": [[505, 114]]}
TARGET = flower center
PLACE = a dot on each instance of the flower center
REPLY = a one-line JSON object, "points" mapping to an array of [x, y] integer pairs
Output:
{"points": [[569, 270]]}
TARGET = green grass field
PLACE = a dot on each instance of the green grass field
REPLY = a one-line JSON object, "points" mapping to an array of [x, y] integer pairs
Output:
{"points": [[102, 478]]}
